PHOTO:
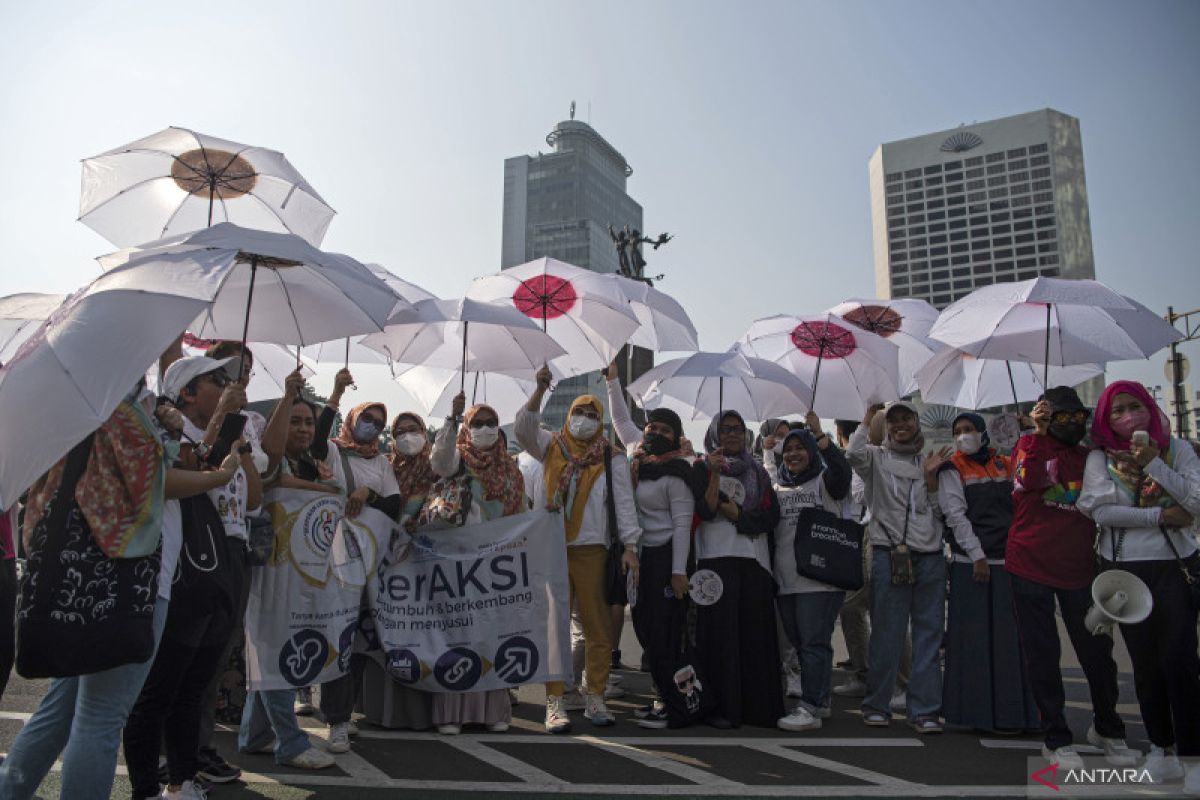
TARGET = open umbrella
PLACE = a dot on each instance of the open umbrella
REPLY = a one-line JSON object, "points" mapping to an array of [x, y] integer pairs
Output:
{"points": [[959, 379], [1052, 321], [434, 389], [21, 315], [69, 376], [178, 180], [583, 311], [905, 322], [663, 324], [847, 367], [702, 385]]}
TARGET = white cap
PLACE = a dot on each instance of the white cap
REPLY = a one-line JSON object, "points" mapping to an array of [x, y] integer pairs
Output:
{"points": [[183, 371]]}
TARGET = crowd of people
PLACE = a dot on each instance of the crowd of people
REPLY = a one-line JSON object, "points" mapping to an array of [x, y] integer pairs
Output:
{"points": [[962, 556]]}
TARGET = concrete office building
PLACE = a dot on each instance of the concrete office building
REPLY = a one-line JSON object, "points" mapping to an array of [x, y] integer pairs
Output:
{"points": [[989, 202], [560, 205]]}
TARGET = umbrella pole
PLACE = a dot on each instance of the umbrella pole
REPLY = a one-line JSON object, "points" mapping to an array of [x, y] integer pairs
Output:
{"points": [[347, 364], [297, 356], [463, 372], [1012, 385], [1046, 363], [817, 379], [720, 400], [246, 325], [475, 389], [212, 190]]}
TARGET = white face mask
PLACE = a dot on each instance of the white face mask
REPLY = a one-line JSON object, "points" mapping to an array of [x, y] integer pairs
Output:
{"points": [[410, 443], [582, 427], [485, 436], [968, 443]]}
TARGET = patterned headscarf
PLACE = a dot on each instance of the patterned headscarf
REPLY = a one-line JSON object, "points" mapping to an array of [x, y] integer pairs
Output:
{"points": [[743, 466], [569, 459], [1145, 491], [345, 437], [413, 473], [491, 466]]}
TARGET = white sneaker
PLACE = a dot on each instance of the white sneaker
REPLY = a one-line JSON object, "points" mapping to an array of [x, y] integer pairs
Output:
{"points": [[339, 738], [352, 728], [187, 791], [573, 701], [449, 730], [312, 758], [304, 705], [1116, 752], [851, 688], [597, 712], [1065, 757], [801, 719], [899, 702], [557, 720], [498, 727], [1162, 765]]}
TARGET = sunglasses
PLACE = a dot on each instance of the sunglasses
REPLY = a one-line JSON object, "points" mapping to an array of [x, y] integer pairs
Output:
{"points": [[484, 423], [1069, 416], [585, 412], [219, 378]]}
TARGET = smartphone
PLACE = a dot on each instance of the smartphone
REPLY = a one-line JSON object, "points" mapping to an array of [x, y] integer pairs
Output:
{"points": [[1140, 437], [231, 430]]}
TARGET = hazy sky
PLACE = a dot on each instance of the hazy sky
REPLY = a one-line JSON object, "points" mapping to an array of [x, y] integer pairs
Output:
{"points": [[748, 125]]}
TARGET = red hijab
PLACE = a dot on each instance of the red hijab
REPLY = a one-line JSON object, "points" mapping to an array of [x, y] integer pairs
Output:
{"points": [[1103, 434]]}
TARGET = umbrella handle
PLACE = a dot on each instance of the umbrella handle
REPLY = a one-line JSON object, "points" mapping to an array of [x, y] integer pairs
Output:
{"points": [[246, 324], [475, 389], [353, 386], [1013, 385]]}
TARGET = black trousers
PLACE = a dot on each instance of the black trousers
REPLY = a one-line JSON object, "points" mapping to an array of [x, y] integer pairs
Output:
{"points": [[738, 643], [658, 618], [241, 582], [8, 614], [168, 709], [1034, 606], [1166, 666]]}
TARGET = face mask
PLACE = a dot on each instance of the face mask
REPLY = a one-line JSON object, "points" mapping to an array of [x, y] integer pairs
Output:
{"points": [[1069, 433], [485, 436], [582, 427], [968, 443], [410, 443], [656, 444], [1131, 421], [365, 431]]}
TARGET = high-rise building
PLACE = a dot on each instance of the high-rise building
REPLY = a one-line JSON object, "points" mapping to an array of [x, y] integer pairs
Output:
{"points": [[996, 201], [560, 205]]}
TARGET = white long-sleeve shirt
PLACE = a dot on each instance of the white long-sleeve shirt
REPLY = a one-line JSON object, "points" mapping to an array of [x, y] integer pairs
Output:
{"points": [[953, 501], [1112, 507], [627, 430], [594, 528]]}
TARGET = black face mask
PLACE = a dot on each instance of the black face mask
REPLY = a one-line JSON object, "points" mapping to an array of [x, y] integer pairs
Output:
{"points": [[656, 444], [1069, 433]]}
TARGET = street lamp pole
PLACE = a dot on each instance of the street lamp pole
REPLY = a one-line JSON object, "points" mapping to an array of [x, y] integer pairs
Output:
{"points": [[1191, 332]]}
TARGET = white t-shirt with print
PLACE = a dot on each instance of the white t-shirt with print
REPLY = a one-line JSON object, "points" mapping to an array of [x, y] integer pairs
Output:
{"points": [[230, 499]]}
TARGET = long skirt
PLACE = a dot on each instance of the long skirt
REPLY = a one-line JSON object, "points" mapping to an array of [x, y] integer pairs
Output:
{"points": [[472, 708], [986, 687]]}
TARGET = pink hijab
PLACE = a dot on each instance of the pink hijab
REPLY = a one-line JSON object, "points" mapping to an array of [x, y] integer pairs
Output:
{"points": [[1104, 436]]}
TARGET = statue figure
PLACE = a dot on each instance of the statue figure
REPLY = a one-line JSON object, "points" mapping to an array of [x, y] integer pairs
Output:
{"points": [[629, 250], [621, 240]]}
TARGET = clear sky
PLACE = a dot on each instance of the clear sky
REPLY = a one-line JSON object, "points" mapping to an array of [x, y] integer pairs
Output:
{"points": [[748, 125]]}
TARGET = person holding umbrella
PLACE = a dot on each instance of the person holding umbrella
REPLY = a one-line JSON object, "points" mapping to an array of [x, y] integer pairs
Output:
{"points": [[575, 461], [1142, 487], [1050, 557]]}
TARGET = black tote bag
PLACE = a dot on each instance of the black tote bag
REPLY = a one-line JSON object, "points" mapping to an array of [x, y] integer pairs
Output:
{"points": [[828, 548]]}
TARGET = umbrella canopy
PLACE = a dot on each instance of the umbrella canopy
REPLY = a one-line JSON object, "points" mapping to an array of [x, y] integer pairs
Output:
{"points": [[1052, 321], [959, 379], [434, 389], [847, 367], [68, 378], [583, 311], [299, 295], [21, 315], [466, 335], [702, 385], [178, 180], [905, 322], [663, 324]]}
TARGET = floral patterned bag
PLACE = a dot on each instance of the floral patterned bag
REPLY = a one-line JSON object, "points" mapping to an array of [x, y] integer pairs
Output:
{"points": [[448, 502]]}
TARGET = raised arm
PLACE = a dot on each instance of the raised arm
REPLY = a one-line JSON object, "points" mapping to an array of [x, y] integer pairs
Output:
{"points": [[858, 450], [444, 458], [527, 426], [274, 438], [627, 431]]}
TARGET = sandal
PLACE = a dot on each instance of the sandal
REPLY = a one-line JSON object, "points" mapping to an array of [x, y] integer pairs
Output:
{"points": [[925, 725], [876, 719]]}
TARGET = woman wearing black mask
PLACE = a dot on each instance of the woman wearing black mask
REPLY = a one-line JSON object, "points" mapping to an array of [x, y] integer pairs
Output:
{"points": [[664, 506]]}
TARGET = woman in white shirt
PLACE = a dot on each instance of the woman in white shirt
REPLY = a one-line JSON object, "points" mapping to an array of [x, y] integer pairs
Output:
{"points": [[1144, 493]]}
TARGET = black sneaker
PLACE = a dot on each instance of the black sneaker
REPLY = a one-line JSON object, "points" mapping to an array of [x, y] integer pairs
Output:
{"points": [[657, 707], [655, 720], [215, 769]]}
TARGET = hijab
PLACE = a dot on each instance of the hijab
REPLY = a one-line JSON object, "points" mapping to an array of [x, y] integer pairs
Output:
{"points": [[815, 464], [571, 460], [910, 448], [345, 438], [742, 466], [1122, 467], [414, 473], [768, 428], [983, 454], [491, 466], [650, 467]]}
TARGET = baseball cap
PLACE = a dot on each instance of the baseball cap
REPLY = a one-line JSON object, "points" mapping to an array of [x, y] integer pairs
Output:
{"points": [[185, 370]]}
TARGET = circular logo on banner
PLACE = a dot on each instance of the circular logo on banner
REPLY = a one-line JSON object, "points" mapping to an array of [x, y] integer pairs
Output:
{"points": [[706, 587], [1004, 430], [733, 489], [404, 666], [346, 646], [303, 657], [458, 669], [516, 660], [631, 588]]}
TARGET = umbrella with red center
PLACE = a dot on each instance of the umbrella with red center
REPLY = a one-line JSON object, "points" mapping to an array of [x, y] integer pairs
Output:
{"points": [[581, 310], [849, 368], [905, 322]]}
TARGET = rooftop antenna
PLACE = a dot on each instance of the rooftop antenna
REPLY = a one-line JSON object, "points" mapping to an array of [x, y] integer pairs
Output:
{"points": [[572, 109]]}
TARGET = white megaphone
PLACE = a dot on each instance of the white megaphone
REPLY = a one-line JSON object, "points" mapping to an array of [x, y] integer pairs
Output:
{"points": [[1117, 596]]}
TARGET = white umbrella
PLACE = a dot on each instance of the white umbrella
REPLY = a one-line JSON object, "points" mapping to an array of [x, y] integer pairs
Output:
{"points": [[663, 323], [905, 322], [583, 311], [434, 389], [68, 378], [465, 335], [21, 315], [179, 180], [1053, 321], [959, 379], [702, 385], [848, 368]]}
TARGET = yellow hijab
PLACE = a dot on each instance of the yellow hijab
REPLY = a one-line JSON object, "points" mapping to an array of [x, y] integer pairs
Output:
{"points": [[570, 458]]}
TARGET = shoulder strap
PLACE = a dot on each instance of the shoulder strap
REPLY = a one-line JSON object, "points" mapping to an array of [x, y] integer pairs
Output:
{"points": [[347, 473], [1187, 576], [610, 502]]}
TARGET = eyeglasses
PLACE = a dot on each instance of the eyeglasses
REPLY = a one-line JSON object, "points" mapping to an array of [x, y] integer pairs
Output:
{"points": [[729, 430], [219, 378], [376, 421], [1069, 416], [484, 423]]}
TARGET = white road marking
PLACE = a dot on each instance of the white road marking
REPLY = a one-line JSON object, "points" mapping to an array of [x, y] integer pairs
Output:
{"points": [[663, 764], [835, 767], [476, 748]]}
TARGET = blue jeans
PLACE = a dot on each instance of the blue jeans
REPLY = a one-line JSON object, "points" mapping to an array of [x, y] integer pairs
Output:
{"points": [[891, 608], [808, 620], [85, 716], [271, 715]]}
